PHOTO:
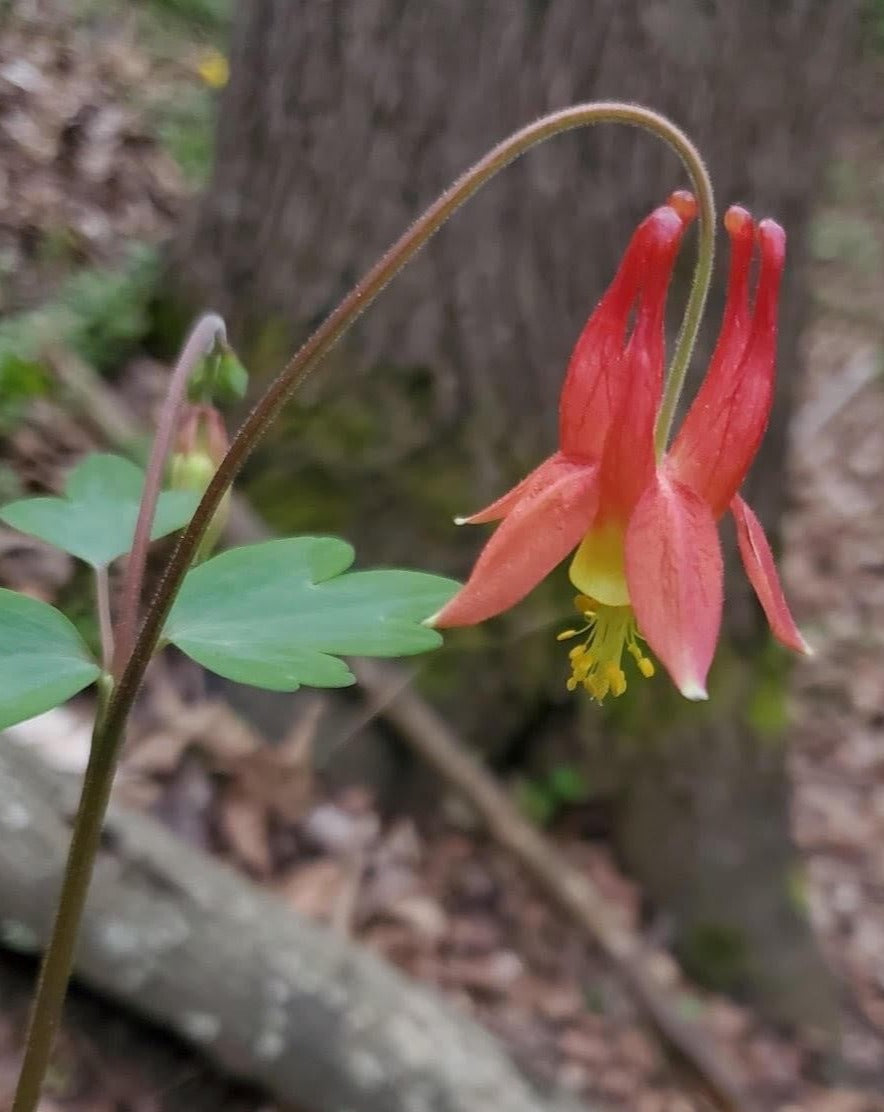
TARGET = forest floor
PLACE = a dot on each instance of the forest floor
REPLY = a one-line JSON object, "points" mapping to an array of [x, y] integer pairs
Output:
{"points": [[104, 115]]}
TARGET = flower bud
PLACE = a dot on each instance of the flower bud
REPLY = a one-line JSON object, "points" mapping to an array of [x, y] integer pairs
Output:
{"points": [[202, 444]]}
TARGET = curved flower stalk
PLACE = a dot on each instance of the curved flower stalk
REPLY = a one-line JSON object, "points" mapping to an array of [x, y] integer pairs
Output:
{"points": [[648, 560]]}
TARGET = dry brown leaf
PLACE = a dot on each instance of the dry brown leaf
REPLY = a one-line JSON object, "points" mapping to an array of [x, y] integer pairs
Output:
{"points": [[157, 754], [243, 824], [422, 913], [314, 889]]}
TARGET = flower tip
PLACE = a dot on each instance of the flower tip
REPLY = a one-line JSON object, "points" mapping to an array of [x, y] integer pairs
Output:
{"points": [[685, 205], [430, 622], [663, 229], [805, 648], [772, 240], [738, 221], [461, 520], [694, 690]]}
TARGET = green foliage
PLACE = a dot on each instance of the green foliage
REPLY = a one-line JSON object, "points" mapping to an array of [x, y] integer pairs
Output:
{"points": [[21, 380], [43, 660], [98, 313], [110, 307], [873, 24], [203, 13], [95, 521], [185, 127], [219, 378], [542, 799], [276, 614]]}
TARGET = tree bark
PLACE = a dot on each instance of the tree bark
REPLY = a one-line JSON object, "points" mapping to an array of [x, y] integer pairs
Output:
{"points": [[341, 121], [186, 942]]}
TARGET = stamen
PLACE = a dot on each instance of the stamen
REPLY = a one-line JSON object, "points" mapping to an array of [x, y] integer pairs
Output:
{"points": [[596, 663]]}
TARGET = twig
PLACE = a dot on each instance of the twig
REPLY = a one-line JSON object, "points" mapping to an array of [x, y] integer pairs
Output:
{"points": [[437, 743]]}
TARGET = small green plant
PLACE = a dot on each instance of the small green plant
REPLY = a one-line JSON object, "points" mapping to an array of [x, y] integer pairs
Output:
{"points": [[202, 13], [542, 799], [184, 127], [98, 313]]}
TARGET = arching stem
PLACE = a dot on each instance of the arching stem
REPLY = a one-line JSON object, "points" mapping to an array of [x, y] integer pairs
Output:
{"points": [[208, 331]]}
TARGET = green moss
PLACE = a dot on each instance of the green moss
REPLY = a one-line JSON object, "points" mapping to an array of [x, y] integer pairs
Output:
{"points": [[307, 502], [716, 955], [765, 706], [796, 890], [209, 14]]}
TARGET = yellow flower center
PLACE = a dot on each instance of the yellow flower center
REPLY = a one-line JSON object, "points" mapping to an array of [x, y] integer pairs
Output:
{"points": [[597, 568], [596, 662]]}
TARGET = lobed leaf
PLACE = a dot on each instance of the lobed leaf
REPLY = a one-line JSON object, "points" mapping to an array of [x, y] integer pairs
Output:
{"points": [[279, 614], [95, 520]]}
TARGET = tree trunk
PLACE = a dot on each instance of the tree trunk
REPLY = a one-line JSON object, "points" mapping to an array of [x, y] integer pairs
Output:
{"points": [[340, 122]]}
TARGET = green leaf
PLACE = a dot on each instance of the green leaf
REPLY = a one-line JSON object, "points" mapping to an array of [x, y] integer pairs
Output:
{"points": [[95, 521], [276, 614], [43, 660]]}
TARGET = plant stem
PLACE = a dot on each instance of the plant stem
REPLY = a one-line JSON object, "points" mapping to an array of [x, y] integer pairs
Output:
{"points": [[55, 971], [111, 723], [105, 626], [690, 325], [205, 334]]}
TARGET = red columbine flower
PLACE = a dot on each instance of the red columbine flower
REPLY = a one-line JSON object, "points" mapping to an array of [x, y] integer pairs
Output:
{"points": [[648, 562]]}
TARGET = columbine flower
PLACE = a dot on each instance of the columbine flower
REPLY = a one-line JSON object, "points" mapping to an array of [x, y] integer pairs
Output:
{"points": [[648, 563]]}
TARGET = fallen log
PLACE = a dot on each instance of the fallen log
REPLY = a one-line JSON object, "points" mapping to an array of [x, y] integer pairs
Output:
{"points": [[183, 940]]}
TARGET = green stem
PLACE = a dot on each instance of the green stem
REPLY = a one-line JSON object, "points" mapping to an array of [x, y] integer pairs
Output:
{"points": [[690, 325], [105, 625], [110, 725], [55, 972]]}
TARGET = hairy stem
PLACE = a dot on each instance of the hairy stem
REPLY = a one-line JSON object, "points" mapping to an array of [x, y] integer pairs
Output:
{"points": [[56, 968], [208, 331], [111, 723]]}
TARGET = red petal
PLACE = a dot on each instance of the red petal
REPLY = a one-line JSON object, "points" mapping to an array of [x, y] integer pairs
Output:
{"points": [[725, 425], [595, 381], [538, 533], [759, 564], [674, 572], [628, 458], [502, 506]]}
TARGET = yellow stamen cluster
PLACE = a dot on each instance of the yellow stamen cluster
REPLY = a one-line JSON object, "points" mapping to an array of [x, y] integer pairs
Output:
{"points": [[595, 664]]}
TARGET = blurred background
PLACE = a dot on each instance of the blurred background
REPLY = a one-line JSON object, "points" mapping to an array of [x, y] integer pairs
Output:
{"points": [[160, 157]]}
